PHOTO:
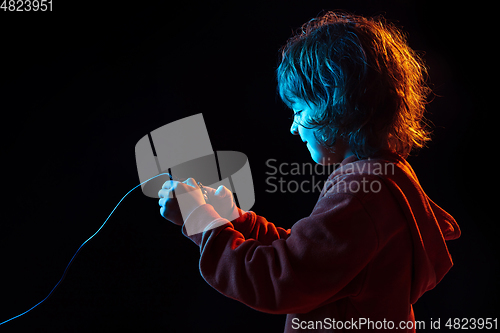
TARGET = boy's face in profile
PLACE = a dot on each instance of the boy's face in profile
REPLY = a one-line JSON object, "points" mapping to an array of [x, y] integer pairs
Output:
{"points": [[319, 153]]}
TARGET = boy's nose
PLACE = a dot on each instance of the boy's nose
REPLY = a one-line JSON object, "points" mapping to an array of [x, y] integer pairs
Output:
{"points": [[294, 129]]}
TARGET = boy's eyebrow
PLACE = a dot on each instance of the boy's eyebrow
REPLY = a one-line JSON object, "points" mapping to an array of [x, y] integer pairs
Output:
{"points": [[297, 103]]}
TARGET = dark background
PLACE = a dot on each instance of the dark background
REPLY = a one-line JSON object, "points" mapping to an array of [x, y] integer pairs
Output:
{"points": [[82, 84]]}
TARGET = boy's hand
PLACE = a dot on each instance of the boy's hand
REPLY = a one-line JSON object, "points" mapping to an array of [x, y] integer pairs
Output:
{"points": [[178, 200], [223, 202]]}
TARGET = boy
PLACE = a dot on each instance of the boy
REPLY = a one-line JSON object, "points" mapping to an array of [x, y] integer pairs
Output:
{"points": [[374, 242]]}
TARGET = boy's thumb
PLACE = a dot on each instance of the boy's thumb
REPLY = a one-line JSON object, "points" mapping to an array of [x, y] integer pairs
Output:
{"points": [[221, 192], [192, 182]]}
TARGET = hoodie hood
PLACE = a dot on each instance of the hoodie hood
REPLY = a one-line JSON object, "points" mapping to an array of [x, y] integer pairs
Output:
{"points": [[429, 224]]}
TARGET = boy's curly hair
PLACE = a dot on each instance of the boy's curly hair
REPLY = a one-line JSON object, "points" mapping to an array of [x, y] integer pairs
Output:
{"points": [[365, 83]]}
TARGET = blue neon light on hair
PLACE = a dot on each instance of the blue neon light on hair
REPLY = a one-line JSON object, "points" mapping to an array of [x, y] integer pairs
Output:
{"points": [[66, 269]]}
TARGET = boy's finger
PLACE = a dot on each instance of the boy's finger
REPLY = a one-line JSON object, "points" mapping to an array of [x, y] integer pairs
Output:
{"points": [[191, 182], [165, 193], [222, 191], [162, 201], [210, 190], [169, 184]]}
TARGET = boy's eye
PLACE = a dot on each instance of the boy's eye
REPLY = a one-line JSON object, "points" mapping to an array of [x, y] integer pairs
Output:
{"points": [[295, 113]]}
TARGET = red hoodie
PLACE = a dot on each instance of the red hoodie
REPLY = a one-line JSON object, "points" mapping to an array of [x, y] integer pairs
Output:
{"points": [[373, 244]]}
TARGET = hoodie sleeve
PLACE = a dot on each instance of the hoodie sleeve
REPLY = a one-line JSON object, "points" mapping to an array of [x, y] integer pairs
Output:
{"points": [[257, 227], [276, 271], [249, 224]]}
